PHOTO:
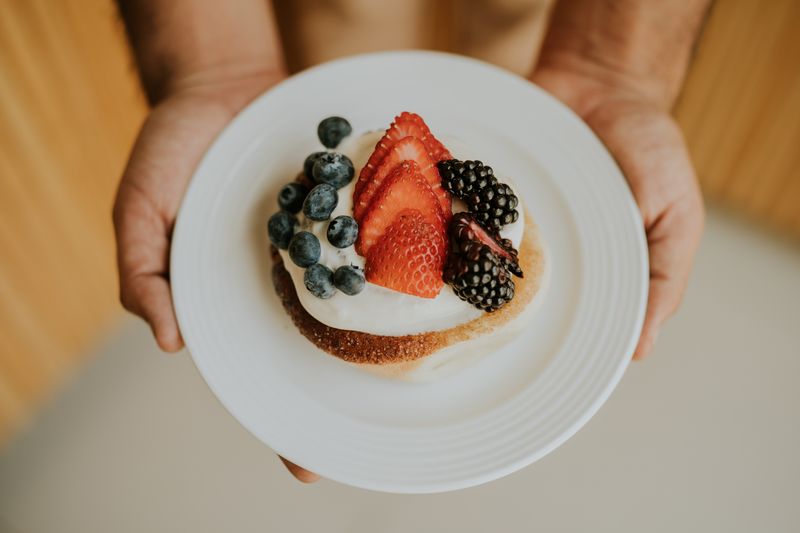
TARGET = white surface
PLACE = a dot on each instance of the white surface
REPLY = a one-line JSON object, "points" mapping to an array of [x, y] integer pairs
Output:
{"points": [[494, 417], [702, 437]]}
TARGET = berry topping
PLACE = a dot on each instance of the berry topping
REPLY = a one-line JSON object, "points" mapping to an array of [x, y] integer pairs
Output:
{"points": [[349, 280], [408, 149], [332, 130], [480, 264], [318, 279], [304, 249], [409, 256], [478, 277], [404, 125], [320, 202], [291, 197], [493, 203], [334, 169], [281, 228], [465, 227], [308, 164], [405, 188], [342, 231]]}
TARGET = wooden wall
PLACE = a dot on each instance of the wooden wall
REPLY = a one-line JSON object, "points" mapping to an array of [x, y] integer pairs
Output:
{"points": [[740, 110], [69, 110], [70, 107]]}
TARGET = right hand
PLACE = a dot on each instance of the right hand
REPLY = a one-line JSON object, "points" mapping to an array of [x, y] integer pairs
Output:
{"points": [[173, 139]]}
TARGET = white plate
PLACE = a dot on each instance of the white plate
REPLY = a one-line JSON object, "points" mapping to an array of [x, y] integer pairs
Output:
{"points": [[505, 412]]}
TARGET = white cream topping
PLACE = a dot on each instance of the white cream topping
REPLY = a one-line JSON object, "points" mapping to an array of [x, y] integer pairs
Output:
{"points": [[378, 310], [459, 356]]}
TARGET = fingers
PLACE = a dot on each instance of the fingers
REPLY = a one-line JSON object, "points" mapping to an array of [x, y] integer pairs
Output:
{"points": [[300, 473], [149, 296], [648, 146], [673, 240], [172, 141], [662, 302], [142, 259], [650, 150], [146, 293]]}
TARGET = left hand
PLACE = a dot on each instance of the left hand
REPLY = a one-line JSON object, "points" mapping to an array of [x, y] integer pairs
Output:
{"points": [[649, 147], [174, 137]]}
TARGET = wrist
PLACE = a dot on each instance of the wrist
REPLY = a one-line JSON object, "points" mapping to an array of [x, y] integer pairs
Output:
{"points": [[581, 83], [591, 90], [636, 48], [226, 51], [232, 85]]}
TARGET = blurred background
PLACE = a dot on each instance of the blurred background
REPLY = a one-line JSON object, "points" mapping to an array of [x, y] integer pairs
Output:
{"points": [[101, 432]]}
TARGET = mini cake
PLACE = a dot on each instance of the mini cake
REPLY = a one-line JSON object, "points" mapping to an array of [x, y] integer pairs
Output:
{"points": [[414, 268]]}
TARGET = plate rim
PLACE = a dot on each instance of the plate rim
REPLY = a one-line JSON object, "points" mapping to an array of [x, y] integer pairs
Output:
{"points": [[512, 466]]}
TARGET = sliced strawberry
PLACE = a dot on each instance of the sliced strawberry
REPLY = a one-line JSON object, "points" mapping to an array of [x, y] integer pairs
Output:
{"points": [[412, 122], [407, 149], [409, 257], [404, 189], [405, 125]]}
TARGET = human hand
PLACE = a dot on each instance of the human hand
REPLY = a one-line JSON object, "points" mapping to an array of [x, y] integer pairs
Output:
{"points": [[649, 148], [172, 140]]}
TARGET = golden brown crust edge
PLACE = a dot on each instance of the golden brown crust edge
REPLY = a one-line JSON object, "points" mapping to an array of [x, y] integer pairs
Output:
{"points": [[365, 348]]}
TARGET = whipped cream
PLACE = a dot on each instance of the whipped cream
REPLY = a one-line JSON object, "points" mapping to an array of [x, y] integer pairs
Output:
{"points": [[378, 310]]}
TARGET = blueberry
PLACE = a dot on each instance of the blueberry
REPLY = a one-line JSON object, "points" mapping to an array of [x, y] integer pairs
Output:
{"points": [[342, 231], [333, 168], [291, 197], [281, 227], [319, 281], [332, 130], [304, 249], [349, 280], [308, 164], [320, 202]]}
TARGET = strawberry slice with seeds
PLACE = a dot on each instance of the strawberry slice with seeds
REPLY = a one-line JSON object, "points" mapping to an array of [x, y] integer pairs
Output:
{"points": [[405, 188], [405, 125], [413, 123], [407, 149], [409, 257]]}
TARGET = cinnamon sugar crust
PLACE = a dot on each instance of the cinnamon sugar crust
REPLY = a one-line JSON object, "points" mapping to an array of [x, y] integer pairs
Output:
{"points": [[403, 350]]}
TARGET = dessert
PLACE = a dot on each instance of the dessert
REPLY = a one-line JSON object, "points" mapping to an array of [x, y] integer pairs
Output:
{"points": [[394, 255]]}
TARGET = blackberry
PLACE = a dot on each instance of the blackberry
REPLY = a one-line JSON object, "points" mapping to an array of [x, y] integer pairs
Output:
{"points": [[462, 178], [492, 202], [480, 264], [478, 276], [465, 228]]}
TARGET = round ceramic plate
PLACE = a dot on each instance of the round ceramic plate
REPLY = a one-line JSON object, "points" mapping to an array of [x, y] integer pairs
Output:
{"points": [[510, 408]]}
